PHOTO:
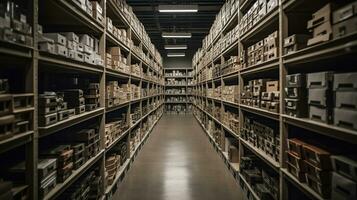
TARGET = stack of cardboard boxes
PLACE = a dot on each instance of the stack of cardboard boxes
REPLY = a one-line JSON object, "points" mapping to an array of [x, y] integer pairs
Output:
{"points": [[13, 24], [264, 50]]}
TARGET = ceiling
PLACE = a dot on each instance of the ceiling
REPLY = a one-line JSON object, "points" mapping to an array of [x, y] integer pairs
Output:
{"points": [[196, 23]]}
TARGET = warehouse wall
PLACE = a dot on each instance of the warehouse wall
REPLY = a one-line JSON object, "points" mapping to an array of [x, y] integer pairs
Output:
{"points": [[185, 62]]}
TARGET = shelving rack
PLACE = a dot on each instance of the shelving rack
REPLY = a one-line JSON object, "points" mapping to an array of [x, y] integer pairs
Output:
{"points": [[317, 58], [32, 66], [187, 77]]}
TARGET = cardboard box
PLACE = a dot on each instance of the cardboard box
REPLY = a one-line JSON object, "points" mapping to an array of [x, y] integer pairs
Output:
{"points": [[319, 79], [345, 81], [295, 107], [345, 118], [295, 146], [47, 47], [61, 50], [296, 93], [321, 33], [272, 86], [296, 80], [57, 38], [320, 114], [295, 42], [71, 36], [344, 166], [344, 28], [321, 97], [317, 157], [346, 99], [320, 16], [344, 13], [86, 40], [343, 188], [322, 190]]}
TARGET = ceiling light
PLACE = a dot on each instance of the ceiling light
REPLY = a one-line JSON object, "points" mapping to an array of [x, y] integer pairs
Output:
{"points": [[175, 46], [178, 8], [176, 55], [176, 35]]}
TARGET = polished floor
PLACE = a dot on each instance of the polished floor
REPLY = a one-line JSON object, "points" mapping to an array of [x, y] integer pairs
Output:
{"points": [[178, 163]]}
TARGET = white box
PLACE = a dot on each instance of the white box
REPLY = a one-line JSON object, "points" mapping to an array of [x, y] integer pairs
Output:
{"points": [[83, 4], [109, 25], [98, 60], [80, 47], [44, 39], [70, 45], [98, 7], [79, 56], [61, 50], [87, 49], [58, 38], [96, 45], [86, 40], [71, 54], [89, 59], [71, 36], [47, 47]]}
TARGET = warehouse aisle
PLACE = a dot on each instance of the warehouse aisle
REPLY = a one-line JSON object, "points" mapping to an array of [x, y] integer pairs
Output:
{"points": [[178, 163]]}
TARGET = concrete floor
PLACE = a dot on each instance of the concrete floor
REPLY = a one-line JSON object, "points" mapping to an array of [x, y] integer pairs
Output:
{"points": [[178, 163]]}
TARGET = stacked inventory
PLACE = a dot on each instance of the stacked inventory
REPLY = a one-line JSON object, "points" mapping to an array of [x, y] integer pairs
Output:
{"points": [[294, 73], [261, 93], [87, 73], [178, 87]]}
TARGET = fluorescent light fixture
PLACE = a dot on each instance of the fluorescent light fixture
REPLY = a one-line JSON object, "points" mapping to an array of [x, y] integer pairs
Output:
{"points": [[176, 35], [176, 55], [175, 47], [178, 8]]}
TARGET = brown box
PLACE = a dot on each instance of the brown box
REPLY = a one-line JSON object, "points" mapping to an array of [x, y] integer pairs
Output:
{"points": [[322, 33], [322, 176], [295, 42], [319, 17], [323, 190], [317, 156], [296, 161], [295, 146], [64, 172], [344, 28], [295, 172], [272, 86], [344, 13]]}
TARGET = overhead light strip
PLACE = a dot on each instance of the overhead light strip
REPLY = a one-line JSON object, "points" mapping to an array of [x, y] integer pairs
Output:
{"points": [[170, 47], [176, 55], [178, 8], [176, 35]]}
